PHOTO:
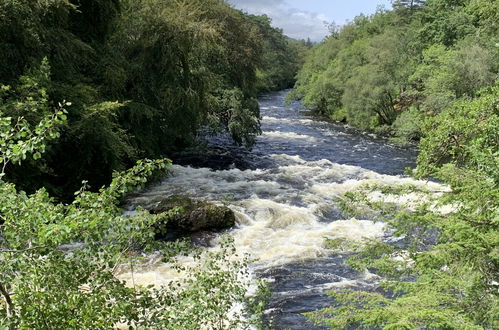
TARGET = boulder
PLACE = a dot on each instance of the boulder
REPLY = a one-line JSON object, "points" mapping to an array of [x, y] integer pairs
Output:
{"points": [[194, 215]]}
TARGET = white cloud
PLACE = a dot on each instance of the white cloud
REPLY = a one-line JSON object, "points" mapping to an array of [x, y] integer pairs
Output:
{"points": [[295, 23]]}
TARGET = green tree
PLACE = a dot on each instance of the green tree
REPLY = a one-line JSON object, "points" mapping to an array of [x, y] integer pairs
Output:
{"points": [[377, 67], [370, 94], [281, 57], [446, 75], [445, 22], [410, 4], [407, 8]]}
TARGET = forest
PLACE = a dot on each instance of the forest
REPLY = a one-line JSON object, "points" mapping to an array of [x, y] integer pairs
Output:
{"points": [[96, 95]]}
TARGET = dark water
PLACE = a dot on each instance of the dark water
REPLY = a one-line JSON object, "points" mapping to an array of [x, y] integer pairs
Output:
{"points": [[336, 143], [293, 130], [284, 192]]}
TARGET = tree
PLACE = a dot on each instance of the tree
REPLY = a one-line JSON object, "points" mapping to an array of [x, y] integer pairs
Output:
{"points": [[446, 75], [380, 66], [445, 22], [372, 89]]}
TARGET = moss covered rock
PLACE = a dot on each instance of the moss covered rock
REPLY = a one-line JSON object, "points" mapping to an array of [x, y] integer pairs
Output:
{"points": [[194, 215]]}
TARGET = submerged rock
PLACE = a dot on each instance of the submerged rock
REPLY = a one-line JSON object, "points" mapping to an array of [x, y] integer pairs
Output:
{"points": [[194, 215]]}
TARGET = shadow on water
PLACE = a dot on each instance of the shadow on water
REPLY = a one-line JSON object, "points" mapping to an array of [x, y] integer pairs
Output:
{"points": [[301, 287]]}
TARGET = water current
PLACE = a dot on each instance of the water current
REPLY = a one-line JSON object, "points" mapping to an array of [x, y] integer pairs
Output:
{"points": [[284, 195]]}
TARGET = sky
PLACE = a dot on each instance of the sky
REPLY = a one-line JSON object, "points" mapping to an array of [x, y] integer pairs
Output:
{"points": [[302, 19]]}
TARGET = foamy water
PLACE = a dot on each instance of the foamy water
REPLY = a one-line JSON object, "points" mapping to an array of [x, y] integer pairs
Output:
{"points": [[288, 205]]}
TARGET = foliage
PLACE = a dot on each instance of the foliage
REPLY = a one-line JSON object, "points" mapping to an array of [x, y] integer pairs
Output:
{"points": [[407, 126], [445, 76], [238, 116], [20, 109], [282, 57], [464, 135], [208, 296]]}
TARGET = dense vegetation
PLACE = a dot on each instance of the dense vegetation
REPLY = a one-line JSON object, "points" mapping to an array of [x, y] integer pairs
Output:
{"points": [[141, 78], [87, 89], [388, 71]]}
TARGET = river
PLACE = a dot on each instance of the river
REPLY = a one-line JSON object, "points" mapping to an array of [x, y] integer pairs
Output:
{"points": [[284, 194]]}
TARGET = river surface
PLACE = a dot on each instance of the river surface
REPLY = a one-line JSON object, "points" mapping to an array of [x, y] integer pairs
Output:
{"points": [[284, 193]]}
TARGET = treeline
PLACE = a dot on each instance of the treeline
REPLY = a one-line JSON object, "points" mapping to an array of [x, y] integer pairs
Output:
{"points": [[138, 78], [389, 71]]}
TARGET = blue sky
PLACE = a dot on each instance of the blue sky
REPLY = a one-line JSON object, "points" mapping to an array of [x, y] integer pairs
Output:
{"points": [[303, 19]]}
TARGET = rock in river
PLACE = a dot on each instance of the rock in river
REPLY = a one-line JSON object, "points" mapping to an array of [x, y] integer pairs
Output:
{"points": [[194, 215]]}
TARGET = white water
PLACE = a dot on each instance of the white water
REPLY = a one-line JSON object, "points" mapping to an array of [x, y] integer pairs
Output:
{"points": [[286, 210]]}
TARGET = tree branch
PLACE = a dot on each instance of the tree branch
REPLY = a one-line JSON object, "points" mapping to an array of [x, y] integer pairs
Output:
{"points": [[8, 300]]}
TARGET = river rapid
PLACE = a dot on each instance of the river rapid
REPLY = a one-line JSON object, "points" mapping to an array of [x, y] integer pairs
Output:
{"points": [[284, 195]]}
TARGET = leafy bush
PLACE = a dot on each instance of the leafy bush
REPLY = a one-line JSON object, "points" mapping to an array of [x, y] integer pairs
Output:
{"points": [[408, 125], [464, 135]]}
